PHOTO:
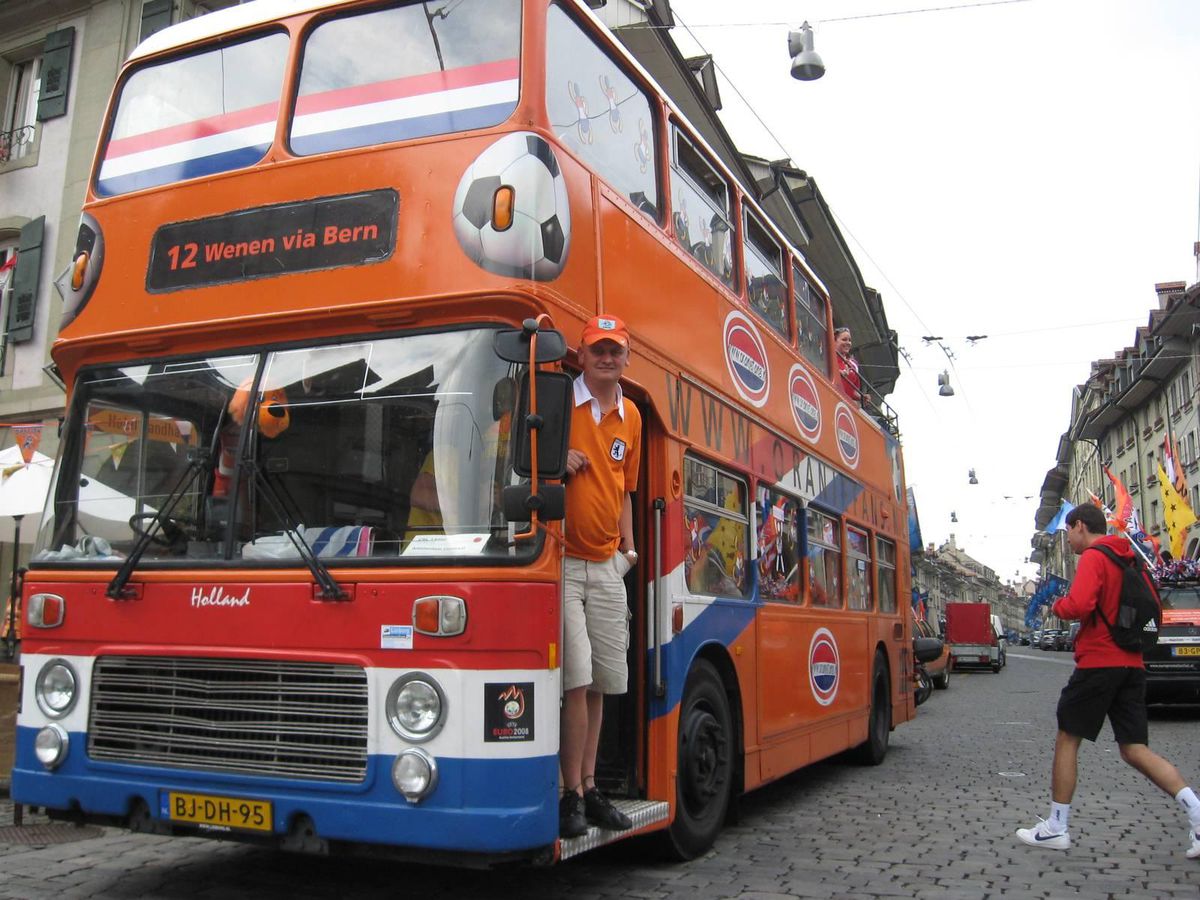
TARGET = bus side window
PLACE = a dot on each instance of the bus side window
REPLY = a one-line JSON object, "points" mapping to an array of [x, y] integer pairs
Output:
{"points": [[600, 113], [716, 531], [824, 559], [858, 581], [765, 284], [885, 574], [779, 547], [811, 330], [701, 202]]}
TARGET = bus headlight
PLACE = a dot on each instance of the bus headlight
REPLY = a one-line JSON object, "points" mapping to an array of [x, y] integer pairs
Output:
{"points": [[51, 745], [55, 688], [416, 707], [415, 774]]}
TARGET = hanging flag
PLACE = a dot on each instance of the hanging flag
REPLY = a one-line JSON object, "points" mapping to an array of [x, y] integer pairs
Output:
{"points": [[29, 438], [1176, 476], [1176, 513], [1059, 522], [1050, 589], [1124, 503]]}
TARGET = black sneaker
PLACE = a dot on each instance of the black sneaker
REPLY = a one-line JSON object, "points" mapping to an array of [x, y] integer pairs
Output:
{"points": [[600, 811], [571, 822]]}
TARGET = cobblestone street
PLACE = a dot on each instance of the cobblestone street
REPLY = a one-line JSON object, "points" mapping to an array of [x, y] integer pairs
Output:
{"points": [[935, 820]]}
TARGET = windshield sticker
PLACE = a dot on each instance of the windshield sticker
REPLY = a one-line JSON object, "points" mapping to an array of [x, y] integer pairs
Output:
{"points": [[351, 230], [446, 545], [395, 637]]}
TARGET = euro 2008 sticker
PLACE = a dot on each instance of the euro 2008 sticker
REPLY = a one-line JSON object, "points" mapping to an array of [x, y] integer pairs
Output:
{"points": [[395, 637], [508, 712]]}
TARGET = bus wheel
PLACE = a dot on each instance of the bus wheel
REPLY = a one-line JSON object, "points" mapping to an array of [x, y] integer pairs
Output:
{"points": [[704, 783], [879, 728]]}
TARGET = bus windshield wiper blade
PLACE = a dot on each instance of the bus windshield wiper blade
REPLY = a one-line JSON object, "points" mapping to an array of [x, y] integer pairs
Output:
{"points": [[330, 589], [117, 588]]}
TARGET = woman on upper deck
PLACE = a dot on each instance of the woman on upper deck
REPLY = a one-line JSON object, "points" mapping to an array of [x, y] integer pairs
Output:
{"points": [[850, 379]]}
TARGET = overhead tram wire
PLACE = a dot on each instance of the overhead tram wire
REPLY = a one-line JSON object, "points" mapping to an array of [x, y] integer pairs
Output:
{"points": [[882, 15], [840, 221]]}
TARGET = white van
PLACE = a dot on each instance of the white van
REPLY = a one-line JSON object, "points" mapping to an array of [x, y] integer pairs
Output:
{"points": [[1001, 643]]}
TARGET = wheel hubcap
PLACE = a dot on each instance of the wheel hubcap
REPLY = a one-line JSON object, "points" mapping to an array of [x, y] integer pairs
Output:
{"points": [[704, 757]]}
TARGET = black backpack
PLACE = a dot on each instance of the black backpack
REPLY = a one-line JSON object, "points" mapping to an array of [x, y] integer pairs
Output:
{"points": [[1139, 608]]}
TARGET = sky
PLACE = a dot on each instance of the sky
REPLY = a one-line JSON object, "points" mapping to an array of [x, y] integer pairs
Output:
{"points": [[1024, 170]]}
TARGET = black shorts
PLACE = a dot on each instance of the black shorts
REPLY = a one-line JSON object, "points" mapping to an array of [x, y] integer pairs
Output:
{"points": [[1092, 694]]}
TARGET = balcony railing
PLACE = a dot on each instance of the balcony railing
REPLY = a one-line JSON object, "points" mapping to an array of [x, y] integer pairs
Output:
{"points": [[16, 143]]}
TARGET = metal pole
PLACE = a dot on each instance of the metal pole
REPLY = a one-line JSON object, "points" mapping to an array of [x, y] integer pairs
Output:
{"points": [[11, 640], [657, 606]]}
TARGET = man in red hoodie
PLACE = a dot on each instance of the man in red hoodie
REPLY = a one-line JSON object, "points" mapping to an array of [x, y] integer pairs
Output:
{"points": [[1107, 681]]}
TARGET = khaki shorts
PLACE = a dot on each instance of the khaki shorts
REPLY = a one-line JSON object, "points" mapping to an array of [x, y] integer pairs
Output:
{"points": [[596, 625]]}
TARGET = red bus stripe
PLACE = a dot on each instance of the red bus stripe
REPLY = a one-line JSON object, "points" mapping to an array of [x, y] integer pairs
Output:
{"points": [[190, 131], [412, 86]]}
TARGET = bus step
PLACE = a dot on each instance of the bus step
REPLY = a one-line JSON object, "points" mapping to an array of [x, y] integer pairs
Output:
{"points": [[644, 813]]}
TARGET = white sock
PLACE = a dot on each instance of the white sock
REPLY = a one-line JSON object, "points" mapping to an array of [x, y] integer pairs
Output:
{"points": [[1190, 804], [1059, 814]]}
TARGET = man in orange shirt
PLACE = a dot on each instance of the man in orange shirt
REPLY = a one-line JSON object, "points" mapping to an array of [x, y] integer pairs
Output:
{"points": [[602, 471]]}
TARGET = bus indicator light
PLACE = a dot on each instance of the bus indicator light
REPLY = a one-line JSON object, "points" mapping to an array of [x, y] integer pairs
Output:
{"points": [[502, 208]]}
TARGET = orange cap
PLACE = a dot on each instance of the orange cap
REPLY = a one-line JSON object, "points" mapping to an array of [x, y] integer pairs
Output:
{"points": [[605, 328]]}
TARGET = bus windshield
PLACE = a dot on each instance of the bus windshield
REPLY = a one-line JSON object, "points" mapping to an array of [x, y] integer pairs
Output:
{"points": [[392, 448]]}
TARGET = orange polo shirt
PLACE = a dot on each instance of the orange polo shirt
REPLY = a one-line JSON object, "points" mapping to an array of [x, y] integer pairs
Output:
{"points": [[612, 445]]}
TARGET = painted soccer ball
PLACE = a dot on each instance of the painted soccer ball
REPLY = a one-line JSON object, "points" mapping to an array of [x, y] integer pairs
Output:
{"points": [[536, 244]]}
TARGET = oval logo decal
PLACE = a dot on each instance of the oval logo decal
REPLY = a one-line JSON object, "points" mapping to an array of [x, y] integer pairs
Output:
{"points": [[845, 429], [824, 666], [805, 401], [746, 357]]}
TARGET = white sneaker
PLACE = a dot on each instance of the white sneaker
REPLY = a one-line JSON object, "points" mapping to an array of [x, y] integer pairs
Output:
{"points": [[1194, 853], [1041, 836]]}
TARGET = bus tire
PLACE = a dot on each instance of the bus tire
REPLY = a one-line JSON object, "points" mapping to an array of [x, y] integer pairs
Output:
{"points": [[879, 726], [704, 780]]}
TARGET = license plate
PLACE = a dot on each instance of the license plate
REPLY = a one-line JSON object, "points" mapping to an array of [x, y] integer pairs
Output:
{"points": [[221, 813], [1186, 651]]}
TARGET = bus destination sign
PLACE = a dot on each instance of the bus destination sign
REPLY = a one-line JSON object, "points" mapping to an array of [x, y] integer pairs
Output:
{"points": [[330, 232]]}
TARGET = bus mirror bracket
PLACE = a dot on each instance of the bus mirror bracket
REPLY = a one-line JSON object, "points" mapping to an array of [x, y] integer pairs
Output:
{"points": [[549, 503], [551, 423]]}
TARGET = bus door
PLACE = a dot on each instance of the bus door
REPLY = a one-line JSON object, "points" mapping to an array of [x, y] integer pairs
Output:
{"points": [[622, 739]]}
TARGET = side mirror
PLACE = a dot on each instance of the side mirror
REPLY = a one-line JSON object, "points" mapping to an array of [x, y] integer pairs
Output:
{"points": [[512, 344], [552, 425], [926, 649]]}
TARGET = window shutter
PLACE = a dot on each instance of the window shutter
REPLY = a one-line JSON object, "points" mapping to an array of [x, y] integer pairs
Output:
{"points": [[56, 74], [23, 305], [156, 15]]}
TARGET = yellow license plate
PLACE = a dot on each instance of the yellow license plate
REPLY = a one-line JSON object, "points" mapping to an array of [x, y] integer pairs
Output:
{"points": [[224, 813], [1187, 651]]}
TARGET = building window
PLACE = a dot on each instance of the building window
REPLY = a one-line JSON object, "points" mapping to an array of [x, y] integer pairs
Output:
{"points": [[8, 253], [18, 130], [716, 528]]}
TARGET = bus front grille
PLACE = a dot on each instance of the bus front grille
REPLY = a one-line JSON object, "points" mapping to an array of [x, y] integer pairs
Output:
{"points": [[278, 718]]}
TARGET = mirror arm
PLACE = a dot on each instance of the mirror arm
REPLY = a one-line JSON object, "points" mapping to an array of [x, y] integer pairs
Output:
{"points": [[533, 421]]}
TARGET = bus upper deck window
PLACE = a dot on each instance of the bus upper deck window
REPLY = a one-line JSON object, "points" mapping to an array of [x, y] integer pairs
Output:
{"points": [[396, 74], [201, 114]]}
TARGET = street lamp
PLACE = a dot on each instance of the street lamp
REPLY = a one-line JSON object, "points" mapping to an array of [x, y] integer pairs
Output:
{"points": [[806, 64], [971, 479]]}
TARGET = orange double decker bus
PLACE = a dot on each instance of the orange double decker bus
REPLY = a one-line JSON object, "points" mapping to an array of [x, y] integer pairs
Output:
{"points": [[280, 592]]}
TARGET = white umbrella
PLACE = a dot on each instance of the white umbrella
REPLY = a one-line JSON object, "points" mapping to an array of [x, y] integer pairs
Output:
{"points": [[23, 494]]}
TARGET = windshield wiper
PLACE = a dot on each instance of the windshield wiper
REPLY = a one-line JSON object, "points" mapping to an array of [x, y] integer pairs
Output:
{"points": [[117, 588], [330, 589]]}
